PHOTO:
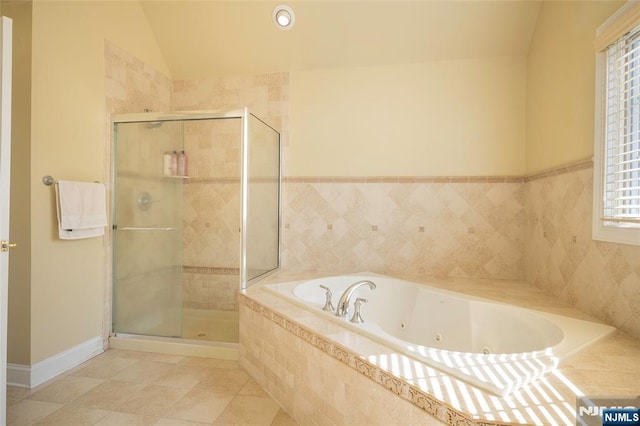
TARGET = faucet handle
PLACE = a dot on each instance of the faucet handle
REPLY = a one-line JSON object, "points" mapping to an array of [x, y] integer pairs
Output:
{"points": [[357, 318], [328, 306]]}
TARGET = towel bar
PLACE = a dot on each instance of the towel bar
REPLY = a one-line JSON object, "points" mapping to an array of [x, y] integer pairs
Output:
{"points": [[49, 180]]}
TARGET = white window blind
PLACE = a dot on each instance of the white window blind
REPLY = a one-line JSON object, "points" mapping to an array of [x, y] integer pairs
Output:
{"points": [[621, 200]]}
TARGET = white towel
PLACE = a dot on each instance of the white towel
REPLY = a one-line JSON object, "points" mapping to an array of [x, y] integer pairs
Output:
{"points": [[82, 209]]}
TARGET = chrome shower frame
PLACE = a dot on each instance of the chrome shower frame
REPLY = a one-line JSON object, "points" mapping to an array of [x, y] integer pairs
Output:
{"points": [[244, 114]]}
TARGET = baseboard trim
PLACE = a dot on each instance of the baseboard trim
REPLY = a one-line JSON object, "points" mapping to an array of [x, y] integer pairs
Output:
{"points": [[26, 376]]}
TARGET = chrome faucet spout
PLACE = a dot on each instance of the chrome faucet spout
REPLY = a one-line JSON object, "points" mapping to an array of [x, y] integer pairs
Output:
{"points": [[343, 304]]}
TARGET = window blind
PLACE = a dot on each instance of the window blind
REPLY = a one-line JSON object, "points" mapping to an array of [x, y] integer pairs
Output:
{"points": [[622, 132]]}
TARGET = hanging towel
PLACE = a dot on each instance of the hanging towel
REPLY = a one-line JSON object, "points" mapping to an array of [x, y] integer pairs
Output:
{"points": [[82, 209]]}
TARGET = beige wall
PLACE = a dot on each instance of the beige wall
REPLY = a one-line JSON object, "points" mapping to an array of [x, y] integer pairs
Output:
{"points": [[19, 321], [560, 82], [448, 118], [68, 142]]}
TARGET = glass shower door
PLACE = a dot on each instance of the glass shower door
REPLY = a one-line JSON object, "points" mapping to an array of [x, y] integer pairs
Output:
{"points": [[262, 231], [147, 256]]}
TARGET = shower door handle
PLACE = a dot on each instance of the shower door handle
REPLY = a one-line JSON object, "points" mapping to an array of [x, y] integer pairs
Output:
{"points": [[142, 228]]}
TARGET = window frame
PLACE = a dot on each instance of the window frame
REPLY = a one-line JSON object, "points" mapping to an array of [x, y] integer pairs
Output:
{"points": [[609, 32]]}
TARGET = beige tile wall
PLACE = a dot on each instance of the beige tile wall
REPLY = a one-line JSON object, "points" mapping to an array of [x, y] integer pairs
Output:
{"points": [[599, 278], [212, 196], [453, 228]]}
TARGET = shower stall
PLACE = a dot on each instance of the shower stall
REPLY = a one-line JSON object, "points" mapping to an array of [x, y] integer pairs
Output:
{"points": [[185, 244]]}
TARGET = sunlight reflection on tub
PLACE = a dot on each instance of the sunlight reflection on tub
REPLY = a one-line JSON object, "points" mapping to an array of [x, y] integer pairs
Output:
{"points": [[538, 401]]}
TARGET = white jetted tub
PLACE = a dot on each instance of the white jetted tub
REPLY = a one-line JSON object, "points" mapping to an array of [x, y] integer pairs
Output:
{"points": [[494, 346]]}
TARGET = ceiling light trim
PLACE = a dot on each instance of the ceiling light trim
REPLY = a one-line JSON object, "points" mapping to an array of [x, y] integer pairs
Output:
{"points": [[283, 17]]}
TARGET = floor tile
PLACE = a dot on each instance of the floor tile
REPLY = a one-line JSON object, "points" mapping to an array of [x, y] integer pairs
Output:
{"points": [[16, 392], [72, 415], [283, 419], [66, 389], [143, 371], [175, 422], [105, 367], [181, 376], [224, 380], [152, 400], [248, 410], [125, 419], [252, 388], [200, 362], [227, 363], [109, 395], [138, 388], [27, 411], [199, 405], [149, 356]]}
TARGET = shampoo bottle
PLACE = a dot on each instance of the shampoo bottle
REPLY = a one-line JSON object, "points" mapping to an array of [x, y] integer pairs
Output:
{"points": [[182, 164], [174, 163], [166, 164]]}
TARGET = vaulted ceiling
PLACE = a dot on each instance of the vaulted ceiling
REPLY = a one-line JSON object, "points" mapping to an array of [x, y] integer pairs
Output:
{"points": [[206, 38]]}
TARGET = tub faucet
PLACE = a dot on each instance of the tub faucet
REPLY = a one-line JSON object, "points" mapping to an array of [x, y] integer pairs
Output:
{"points": [[343, 305], [357, 318], [328, 306]]}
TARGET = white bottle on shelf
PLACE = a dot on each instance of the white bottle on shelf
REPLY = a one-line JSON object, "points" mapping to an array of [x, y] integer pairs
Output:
{"points": [[174, 163], [166, 164]]}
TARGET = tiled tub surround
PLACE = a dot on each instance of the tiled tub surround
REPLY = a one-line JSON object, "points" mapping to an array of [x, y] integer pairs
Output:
{"points": [[536, 229], [495, 347], [456, 227], [600, 278], [323, 374]]}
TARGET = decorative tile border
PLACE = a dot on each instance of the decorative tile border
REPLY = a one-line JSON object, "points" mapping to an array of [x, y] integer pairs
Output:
{"points": [[568, 168], [406, 391], [403, 179]]}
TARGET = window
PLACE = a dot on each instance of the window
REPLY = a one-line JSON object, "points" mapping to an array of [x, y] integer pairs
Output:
{"points": [[616, 213]]}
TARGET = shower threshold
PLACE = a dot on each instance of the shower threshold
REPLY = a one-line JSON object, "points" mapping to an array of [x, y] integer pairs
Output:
{"points": [[174, 346]]}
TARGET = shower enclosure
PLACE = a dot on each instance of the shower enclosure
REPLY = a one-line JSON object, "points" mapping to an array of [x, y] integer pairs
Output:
{"points": [[184, 245]]}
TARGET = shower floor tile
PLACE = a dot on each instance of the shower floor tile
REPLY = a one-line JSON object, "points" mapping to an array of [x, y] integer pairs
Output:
{"points": [[221, 394], [211, 325]]}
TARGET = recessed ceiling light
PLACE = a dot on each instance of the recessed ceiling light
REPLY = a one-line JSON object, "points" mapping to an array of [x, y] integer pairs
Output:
{"points": [[283, 17]]}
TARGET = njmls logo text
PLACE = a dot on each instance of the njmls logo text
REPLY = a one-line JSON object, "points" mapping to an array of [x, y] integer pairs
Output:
{"points": [[592, 410], [607, 411]]}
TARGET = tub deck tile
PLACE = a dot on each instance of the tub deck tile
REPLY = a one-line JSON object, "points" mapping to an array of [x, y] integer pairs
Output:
{"points": [[550, 400]]}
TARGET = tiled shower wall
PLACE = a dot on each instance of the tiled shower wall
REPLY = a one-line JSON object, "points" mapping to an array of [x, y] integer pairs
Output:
{"points": [[536, 229], [212, 196], [131, 86]]}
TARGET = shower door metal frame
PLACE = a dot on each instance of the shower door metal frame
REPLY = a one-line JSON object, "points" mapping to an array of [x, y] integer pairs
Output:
{"points": [[243, 114], [245, 282]]}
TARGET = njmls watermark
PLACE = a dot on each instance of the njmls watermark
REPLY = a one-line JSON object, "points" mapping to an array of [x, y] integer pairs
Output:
{"points": [[608, 411]]}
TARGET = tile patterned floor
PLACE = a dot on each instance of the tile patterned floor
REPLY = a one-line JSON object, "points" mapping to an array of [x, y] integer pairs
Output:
{"points": [[138, 388]]}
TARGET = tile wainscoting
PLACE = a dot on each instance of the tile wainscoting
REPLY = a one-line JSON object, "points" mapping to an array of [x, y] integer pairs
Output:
{"points": [[535, 228], [601, 279], [458, 227]]}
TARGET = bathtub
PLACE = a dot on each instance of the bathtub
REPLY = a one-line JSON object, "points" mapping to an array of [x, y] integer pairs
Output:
{"points": [[494, 346]]}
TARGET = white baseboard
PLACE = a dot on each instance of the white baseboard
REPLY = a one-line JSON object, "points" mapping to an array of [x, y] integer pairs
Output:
{"points": [[26, 376]]}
